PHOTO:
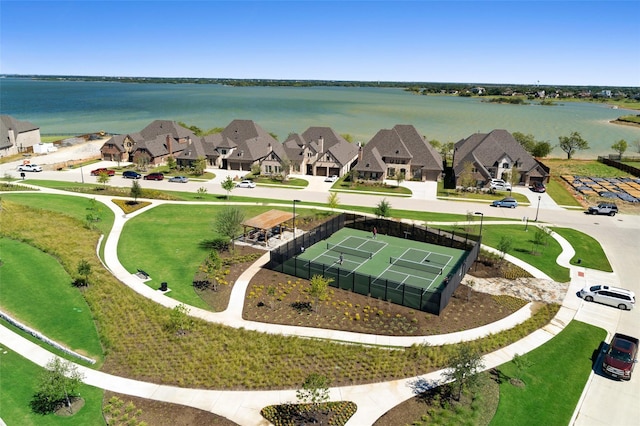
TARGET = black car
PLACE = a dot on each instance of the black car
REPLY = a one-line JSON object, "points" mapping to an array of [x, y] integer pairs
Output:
{"points": [[130, 174]]}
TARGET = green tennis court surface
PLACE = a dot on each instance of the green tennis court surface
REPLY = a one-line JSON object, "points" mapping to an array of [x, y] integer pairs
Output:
{"points": [[388, 260]]}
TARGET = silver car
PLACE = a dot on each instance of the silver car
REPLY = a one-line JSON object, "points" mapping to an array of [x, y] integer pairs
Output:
{"points": [[246, 184]]}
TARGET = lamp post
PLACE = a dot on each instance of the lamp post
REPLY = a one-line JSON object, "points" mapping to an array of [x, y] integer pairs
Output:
{"points": [[537, 208], [481, 219], [294, 217]]}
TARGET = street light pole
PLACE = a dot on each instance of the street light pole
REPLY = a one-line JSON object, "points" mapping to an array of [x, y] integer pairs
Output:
{"points": [[294, 217], [538, 208], [481, 219]]}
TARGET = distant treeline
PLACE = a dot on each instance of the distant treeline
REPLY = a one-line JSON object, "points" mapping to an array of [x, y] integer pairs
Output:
{"points": [[423, 88]]}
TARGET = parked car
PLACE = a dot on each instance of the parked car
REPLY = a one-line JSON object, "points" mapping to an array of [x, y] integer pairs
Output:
{"points": [[154, 176], [620, 357], [181, 179], [612, 296], [505, 202], [537, 187], [331, 178], [29, 168], [604, 208], [246, 184], [130, 174], [499, 185], [96, 172]]}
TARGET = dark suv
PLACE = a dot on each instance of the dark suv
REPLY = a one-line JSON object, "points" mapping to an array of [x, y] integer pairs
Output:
{"points": [[604, 208]]}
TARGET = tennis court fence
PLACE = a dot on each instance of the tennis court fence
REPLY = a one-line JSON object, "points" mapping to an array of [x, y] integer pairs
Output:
{"points": [[284, 259]]}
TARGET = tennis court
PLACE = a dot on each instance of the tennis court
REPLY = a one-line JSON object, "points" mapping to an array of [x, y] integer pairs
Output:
{"points": [[388, 262]]}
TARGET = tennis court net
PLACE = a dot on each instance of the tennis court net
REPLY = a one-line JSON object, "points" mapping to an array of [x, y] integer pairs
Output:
{"points": [[349, 250], [416, 265]]}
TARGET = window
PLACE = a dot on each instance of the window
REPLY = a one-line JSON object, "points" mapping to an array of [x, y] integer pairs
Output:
{"points": [[223, 151], [391, 171], [505, 165]]}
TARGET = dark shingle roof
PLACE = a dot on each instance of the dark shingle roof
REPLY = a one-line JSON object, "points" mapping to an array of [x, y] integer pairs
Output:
{"points": [[163, 127], [253, 142], [371, 161], [7, 122]]}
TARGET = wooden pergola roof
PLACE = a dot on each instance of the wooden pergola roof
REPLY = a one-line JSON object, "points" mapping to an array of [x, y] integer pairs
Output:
{"points": [[268, 220]]}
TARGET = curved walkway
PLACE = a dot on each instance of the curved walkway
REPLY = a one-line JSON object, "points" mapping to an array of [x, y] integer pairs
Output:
{"points": [[243, 407]]}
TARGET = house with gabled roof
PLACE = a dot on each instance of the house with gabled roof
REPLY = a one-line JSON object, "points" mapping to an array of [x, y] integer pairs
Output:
{"points": [[493, 155], [152, 145], [320, 151], [17, 136], [399, 150]]}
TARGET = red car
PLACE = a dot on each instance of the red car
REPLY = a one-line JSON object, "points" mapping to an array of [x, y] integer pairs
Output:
{"points": [[154, 176], [537, 187], [96, 172]]}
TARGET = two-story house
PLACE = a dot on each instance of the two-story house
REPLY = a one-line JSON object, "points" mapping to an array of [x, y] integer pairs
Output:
{"points": [[17, 136]]}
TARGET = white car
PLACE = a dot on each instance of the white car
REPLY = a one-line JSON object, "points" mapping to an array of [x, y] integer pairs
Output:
{"points": [[614, 296], [246, 184], [29, 168], [331, 178], [499, 185]]}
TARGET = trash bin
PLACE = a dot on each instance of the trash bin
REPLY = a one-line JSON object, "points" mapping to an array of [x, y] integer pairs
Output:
{"points": [[163, 286]]}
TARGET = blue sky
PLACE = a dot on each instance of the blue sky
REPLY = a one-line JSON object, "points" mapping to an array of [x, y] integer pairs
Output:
{"points": [[517, 42]]}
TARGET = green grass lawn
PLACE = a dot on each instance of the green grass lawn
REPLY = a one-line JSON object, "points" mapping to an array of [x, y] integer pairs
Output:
{"points": [[523, 246], [341, 185], [560, 194], [42, 297], [292, 182], [480, 196], [553, 383], [164, 242], [20, 379], [574, 167], [587, 249]]}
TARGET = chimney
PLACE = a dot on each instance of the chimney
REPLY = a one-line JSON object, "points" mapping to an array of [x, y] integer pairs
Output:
{"points": [[360, 153], [321, 145], [169, 147]]}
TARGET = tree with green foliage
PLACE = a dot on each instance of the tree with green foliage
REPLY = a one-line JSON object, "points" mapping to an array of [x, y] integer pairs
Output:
{"points": [[319, 289], [466, 178], [201, 192], [211, 269], [541, 149], [435, 144], [333, 201], [172, 164], [136, 191], [521, 363], [199, 166], [179, 320], [446, 149], [572, 143], [228, 223], [315, 390], [463, 368], [539, 239], [513, 177], [382, 209], [57, 387], [528, 141], [505, 245], [399, 178], [353, 177], [228, 185], [620, 147], [103, 178], [347, 137], [84, 270], [285, 164]]}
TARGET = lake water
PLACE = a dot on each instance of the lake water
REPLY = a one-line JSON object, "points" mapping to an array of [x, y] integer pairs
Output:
{"points": [[84, 107]]}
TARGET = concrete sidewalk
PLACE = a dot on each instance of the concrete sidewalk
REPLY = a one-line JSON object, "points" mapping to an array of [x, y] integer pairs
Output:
{"points": [[243, 407]]}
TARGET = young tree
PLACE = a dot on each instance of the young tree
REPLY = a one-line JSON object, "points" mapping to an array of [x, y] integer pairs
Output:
{"points": [[228, 185], [521, 363], [436, 144], [353, 176], [103, 178], [315, 390], [347, 137], [514, 177], [171, 163], [620, 147], [179, 320], [319, 287], [84, 270], [399, 178], [136, 191], [201, 191], [572, 143], [199, 166], [505, 245], [463, 368], [228, 223], [286, 169], [333, 200], [466, 179], [383, 208], [58, 385], [446, 149]]}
